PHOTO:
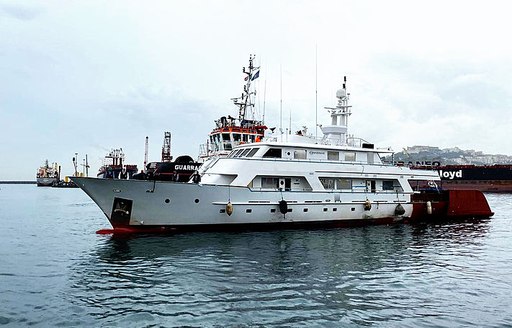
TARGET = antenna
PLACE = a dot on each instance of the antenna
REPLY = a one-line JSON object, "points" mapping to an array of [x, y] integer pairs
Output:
{"points": [[316, 92], [86, 166], [75, 160], [281, 102], [264, 101]]}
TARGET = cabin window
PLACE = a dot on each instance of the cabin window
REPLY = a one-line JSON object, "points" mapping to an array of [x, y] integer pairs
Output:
{"points": [[237, 137], [343, 184], [387, 185], [237, 152], [269, 183], [273, 153], [350, 156], [225, 137], [300, 154], [252, 152], [328, 183], [336, 183], [245, 152], [333, 155], [370, 158]]}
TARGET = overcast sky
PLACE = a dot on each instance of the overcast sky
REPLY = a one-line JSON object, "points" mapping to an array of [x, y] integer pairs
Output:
{"points": [[87, 76]]}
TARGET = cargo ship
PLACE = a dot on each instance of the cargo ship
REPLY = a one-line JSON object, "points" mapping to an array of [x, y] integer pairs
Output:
{"points": [[486, 178], [47, 174]]}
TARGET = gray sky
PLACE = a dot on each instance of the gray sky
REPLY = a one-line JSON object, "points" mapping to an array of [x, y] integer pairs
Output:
{"points": [[86, 76]]}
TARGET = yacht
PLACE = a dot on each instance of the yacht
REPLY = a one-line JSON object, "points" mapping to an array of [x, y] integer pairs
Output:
{"points": [[284, 181]]}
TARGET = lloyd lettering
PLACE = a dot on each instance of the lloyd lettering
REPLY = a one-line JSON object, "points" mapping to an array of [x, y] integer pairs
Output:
{"points": [[450, 175]]}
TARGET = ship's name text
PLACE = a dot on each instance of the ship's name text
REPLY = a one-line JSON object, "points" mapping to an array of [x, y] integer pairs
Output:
{"points": [[188, 167], [450, 175]]}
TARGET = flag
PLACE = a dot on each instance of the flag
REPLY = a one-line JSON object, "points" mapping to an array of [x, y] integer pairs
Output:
{"points": [[255, 76]]}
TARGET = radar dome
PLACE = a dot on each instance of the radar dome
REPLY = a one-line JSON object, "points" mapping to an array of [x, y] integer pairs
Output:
{"points": [[341, 93]]}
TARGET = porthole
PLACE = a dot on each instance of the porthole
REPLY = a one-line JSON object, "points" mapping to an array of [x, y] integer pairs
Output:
{"points": [[196, 201], [272, 210], [248, 210], [222, 210], [305, 210], [334, 209], [167, 200], [353, 209], [325, 209]]}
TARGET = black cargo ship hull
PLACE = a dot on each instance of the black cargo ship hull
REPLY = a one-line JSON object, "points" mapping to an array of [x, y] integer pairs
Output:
{"points": [[486, 178]]}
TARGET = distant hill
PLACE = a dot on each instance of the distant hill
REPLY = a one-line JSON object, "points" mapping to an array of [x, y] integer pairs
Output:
{"points": [[425, 155]]}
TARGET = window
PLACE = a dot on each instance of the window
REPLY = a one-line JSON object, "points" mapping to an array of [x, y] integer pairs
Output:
{"points": [[350, 156], [333, 155], [225, 137], [252, 152], [245, 152], [342, 184], [269, 183], [273, 153], [387, 185], [237, 152], [300, 154], [236, 137], [370, 158], [336, 183], [328, 183]]}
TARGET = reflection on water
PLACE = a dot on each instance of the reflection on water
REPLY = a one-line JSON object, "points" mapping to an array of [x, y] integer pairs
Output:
{"points": [[387, 275], [54, 271]]}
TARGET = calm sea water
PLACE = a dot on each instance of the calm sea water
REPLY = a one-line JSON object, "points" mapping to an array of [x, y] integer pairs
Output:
{"points": [[55, 271]]}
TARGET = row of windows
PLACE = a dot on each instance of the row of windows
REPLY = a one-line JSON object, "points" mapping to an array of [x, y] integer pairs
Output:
{"points": [[273, 210], [349, 156], [347, 184], [244, 152]]}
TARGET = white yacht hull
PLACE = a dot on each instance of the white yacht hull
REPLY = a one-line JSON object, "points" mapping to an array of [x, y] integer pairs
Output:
{"points": [[141, 205]]}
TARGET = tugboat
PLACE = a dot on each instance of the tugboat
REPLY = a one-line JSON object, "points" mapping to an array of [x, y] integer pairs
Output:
{"points": [[47, 175], [280, 184]]}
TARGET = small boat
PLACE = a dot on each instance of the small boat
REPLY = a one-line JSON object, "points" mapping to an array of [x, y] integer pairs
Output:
{"points": [[285, 182]]}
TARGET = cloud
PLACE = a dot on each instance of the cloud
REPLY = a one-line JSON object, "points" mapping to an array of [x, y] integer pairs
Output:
{"points": [[21, 12]]}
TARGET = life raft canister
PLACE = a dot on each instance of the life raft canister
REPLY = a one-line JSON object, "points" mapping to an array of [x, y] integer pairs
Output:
{"points": [[283, 206]]}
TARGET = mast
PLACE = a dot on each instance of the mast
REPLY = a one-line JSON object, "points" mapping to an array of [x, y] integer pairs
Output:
{"points": [[336, 133], [316, 92], [146, 153], [244, 102]]}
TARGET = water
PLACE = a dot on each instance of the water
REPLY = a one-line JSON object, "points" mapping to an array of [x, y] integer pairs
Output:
{"points": [[55, 271]]}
